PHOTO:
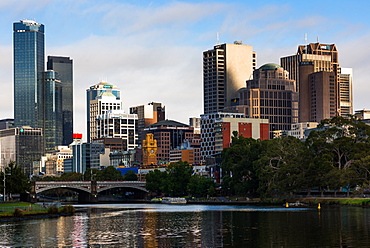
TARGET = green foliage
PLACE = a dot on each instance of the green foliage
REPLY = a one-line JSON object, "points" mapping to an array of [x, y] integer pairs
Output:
{"points": [[130, 176], [71, 176], [239, 173], [16, 182], [179, 174], [53, 210], [178, 180], [92, 174], [155, 181], [18, 213], [281, 166], [110, 174], [201, 186], [69, 209], [332, 157]]}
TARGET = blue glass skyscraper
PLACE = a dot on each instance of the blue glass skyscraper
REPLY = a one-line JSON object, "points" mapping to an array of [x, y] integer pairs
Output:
{"points": [[29, 62], [52, 121], [64, 68]]}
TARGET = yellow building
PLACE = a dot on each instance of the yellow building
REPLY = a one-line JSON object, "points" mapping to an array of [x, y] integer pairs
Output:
{"points": [[149, 148]]}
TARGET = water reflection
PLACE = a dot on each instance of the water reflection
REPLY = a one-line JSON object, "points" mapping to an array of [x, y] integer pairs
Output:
{"points": [[194, 226]]}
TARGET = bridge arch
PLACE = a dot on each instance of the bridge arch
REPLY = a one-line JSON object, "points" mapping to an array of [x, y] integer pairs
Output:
{"points": [[73, 188], [99, 190]]}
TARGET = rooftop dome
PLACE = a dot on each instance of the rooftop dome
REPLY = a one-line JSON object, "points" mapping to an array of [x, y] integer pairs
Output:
{"points": [[269, 66]]}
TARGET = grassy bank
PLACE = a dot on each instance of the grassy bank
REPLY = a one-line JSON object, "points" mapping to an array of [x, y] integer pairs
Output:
{"points": [[337, 201], [23, 209]]}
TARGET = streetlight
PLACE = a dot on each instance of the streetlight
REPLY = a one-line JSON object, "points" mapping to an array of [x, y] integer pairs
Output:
{"points": [[4, 183]]}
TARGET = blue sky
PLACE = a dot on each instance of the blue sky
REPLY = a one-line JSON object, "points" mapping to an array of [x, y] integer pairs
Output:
{"points": [[153, 50]]}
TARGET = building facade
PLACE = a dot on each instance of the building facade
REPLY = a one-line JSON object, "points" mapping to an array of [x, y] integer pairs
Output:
{"points": [[6, 123], [147, 115], [29, 60], [52, 109], [86, 155], [298, 129], [270, 95], [117, 124], [63, 66], [345, 91], [23, 145], [314, 58], [225, 69], [217, 129], [95, 92], [104, 102], [169, 135]]}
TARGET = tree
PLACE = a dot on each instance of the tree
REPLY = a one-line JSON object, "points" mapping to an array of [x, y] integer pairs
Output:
{"points": [[110, 174], [346, 141], [239, 175], [71, 176], [130, 176], [16, 181], [179, 175], [155, 181], [200, 186], [92, 174], [282, 166]]}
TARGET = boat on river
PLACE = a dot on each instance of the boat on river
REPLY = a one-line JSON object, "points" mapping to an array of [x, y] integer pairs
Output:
{"points": [[169, 200], [173, 200]]}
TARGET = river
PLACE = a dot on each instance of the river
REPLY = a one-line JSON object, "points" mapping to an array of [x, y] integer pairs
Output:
{"points": [[161, 225]]}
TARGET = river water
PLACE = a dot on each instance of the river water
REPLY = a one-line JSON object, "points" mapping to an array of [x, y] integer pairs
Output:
{"points": [[161, 225]]}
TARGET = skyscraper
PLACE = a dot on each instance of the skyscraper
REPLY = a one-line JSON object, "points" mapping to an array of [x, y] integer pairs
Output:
{"points": [[64, 68], [52, 109], [28, 38], [147, 115], [345, 91], [92, 94], [270, 95], [225, 69], [310, 59]]}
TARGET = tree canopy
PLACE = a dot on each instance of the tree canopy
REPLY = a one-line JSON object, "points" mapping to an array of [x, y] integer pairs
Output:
{"points": [[334, 156]]}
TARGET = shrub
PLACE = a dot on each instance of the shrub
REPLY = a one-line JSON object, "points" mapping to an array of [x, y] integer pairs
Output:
{"points": [[18, 213], [53, 210], [69, 209]]}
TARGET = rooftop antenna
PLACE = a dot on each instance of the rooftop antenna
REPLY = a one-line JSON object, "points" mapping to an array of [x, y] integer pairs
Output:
{"points": [[218, 38], [317, 39]]}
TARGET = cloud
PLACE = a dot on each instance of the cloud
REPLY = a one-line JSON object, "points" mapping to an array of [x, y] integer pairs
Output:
{"points": [[6, 82], [171, 75], [153, 52]]}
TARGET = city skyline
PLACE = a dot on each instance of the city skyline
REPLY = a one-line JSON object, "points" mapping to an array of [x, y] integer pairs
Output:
{"points": [[153, 51]]}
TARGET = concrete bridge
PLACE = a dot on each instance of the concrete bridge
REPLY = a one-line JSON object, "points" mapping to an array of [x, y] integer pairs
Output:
{"points": [[88, 190]]}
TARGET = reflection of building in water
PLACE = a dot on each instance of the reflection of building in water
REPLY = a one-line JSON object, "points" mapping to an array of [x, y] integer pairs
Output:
{"points": [[79, 231]]}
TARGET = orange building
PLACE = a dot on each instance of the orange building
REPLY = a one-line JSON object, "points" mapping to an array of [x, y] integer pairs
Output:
{"points": [[149, 149]]}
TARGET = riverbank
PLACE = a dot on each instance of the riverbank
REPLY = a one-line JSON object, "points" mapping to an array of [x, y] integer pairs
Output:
{"points": [[14, 211]]}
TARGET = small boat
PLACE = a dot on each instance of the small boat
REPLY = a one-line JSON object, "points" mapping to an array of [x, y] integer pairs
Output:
{"points": [[173, 200], [156, 200]]}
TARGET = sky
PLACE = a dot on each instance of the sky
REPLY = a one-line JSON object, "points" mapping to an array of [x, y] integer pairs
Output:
{"points": [[152, 50]]}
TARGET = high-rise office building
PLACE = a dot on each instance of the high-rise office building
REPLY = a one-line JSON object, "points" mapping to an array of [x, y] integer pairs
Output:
{"points": [[323, 56], [225, 69], [270, 95], [63, 66], [24, 146], [117, 124], [345, 91], [314, 58], [29, 62], [52, 109], [95, 92], [147, 115]]}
